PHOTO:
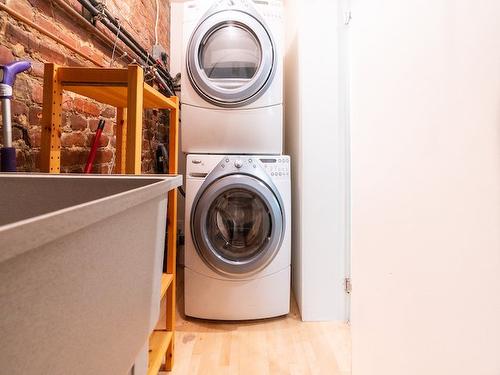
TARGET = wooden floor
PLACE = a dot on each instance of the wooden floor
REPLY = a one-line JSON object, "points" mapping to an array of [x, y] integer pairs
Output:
{"points": [[284, 345]]}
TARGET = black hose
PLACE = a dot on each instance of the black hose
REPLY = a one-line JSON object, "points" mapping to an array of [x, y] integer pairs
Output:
{"points": [[161, 74], [115, 22]]}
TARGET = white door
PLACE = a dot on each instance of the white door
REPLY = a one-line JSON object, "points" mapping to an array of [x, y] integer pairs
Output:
{"points": [[425, 127]]}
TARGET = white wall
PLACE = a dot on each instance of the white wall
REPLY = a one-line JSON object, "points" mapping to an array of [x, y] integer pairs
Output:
{"points": [[316, 140], [426, 187]]}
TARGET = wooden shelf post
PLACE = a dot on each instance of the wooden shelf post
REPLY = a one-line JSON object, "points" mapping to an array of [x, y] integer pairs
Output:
{"points": [[134, 119], [121, 140], [50, 155], [173, 168]]}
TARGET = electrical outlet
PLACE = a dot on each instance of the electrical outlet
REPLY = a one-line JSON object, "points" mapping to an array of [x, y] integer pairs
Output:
{"points": [[159, 52]]}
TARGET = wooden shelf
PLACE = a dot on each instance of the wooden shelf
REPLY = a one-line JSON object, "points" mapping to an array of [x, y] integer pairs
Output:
{"points": [[123, 88], [109, 86], [158, 344], [166, 280], [117, 95]]}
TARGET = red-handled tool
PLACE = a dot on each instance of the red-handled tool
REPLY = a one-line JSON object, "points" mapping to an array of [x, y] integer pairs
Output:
{"points": [[95, 144]]}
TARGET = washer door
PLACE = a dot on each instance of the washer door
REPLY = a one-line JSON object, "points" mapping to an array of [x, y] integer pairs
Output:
{"points": [[237, 225], [231, 58]]}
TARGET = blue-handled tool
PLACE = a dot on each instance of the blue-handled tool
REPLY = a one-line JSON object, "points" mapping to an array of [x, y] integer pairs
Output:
{"points": [[8, 75]]}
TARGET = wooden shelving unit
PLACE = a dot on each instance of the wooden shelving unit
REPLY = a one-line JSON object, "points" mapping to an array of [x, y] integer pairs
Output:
{"points": [[125, 89]]}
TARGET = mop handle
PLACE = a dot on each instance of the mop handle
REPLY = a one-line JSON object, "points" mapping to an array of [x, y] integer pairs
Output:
{"points": [[10, 71], [8, 77]]}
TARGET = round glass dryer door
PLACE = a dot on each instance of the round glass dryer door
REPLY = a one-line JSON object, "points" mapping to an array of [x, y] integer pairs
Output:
{"points": [[231, 58], [237, 225]]}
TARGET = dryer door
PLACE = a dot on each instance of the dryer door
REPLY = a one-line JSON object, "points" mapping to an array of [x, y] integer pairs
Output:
{"points": [[231, 58], [237, 225]]}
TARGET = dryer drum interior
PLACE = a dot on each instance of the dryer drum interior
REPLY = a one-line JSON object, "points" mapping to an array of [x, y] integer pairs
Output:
{"points": [[231, 58], [237, 225]]}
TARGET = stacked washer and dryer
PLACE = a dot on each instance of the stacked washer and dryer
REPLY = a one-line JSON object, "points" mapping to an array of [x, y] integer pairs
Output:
{"points": [[237, 254]]}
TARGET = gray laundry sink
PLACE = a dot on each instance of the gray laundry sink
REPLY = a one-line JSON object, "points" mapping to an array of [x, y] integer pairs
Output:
{"points": [[80, 267]]}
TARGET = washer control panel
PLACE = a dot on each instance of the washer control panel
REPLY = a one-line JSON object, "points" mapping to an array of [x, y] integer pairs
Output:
{"points": [[275, 166], [278, 166]]}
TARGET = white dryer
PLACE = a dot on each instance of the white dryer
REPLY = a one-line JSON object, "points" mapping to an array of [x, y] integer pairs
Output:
{"points": [[232, 77], [237, 254]]}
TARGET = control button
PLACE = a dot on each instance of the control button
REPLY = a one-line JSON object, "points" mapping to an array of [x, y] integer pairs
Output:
{"points": [[249, 160], [222, 165], [196, 161], [281, 174], [238, 164], [279, 160], [272, 173], [227, 160], [255, 166]]}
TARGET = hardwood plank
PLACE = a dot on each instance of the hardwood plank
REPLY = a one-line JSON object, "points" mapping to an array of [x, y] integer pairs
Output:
{"points": [[158, 343], [283, 345]]}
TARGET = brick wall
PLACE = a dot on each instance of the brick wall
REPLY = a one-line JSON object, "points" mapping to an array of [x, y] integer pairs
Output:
{"points": [[19, 41]]}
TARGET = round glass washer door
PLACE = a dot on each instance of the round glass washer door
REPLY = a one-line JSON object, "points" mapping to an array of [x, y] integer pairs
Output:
{"points": [[237, 225], [231, 59]]}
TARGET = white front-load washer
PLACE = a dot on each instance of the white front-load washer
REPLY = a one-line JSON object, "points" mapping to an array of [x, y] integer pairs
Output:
{"points": [[232, 77], [237, 250]]}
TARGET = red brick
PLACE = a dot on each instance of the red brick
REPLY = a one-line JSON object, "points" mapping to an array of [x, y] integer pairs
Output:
{"points": [[108, 126], [67, 102], [18, 50], [42, 5], [73, 139], [74, 62], [103, 156], [17, 35], [35, 134], [73, 156], [22, 89], [37, 92], [51, 52], [85, 106], [103, 140], [17, 134], [35, 116], [18, 108], [109, 112], [18, 40], [74, 169], [24, 160], [21, 8], [77, 122], [101, 168], [51, 27], [37, 68], [6, 55]]}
